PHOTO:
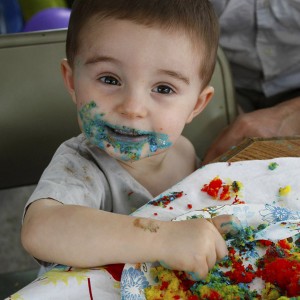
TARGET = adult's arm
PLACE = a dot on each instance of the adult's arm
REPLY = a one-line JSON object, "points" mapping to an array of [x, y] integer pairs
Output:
{"points": [[280, 120]]}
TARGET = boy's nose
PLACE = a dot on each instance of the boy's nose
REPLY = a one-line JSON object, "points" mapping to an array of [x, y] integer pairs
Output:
{"points": [[132, 107]]}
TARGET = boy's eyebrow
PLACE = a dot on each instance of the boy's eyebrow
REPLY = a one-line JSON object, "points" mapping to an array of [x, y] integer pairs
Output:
{"points": [[100, 58], [176, 75]]}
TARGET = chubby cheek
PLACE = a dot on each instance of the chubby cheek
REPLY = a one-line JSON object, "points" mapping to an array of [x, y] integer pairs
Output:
{"points": [[90, 118], [84, 93], [171, 127]]}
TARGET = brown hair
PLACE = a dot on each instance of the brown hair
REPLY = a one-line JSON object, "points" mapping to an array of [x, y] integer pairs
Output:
{"points": [[195, 17]]}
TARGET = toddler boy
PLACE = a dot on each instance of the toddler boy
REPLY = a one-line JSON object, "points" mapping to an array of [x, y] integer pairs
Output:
{"points": [[138, 71]]}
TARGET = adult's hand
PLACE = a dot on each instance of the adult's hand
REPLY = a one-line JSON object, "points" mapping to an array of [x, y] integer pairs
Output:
{"points": [[280, 120]]}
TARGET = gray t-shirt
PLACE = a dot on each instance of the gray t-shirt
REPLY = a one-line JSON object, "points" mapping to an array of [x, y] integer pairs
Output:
{"points": [[81, 174]]}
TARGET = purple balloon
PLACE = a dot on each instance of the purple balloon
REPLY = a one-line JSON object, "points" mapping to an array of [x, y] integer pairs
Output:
{"points": [[49, 18]]}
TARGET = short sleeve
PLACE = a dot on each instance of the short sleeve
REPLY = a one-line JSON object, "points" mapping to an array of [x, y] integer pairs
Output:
{"points": [[72, 177]]}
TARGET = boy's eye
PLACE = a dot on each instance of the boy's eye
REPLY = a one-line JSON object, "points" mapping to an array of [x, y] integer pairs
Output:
{"points": [[163, 89], [109, 80]]}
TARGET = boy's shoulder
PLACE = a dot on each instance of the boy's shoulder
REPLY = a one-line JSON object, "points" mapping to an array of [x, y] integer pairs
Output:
{"points": [[77, 146], [78, 151]]}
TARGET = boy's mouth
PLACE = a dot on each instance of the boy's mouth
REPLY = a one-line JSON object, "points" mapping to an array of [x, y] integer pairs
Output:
{"points": [[131, 132], [126, 133], [129, 141]]}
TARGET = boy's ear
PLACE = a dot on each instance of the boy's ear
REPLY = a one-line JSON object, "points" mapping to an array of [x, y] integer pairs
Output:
{"points": [[68, 77], [203, 99]]}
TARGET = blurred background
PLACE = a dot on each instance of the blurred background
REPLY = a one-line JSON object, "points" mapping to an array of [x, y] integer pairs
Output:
{"points": [[18, 16], [38, 56]]}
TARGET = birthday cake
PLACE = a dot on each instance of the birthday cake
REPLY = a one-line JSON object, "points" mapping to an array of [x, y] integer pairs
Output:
{"points": [[277, 273], [264, 258]]}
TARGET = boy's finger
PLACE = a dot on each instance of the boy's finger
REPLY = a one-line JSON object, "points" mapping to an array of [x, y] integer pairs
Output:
{"points": [[199, 273], [221, 249], [163, 264], [227, 224], [193, 276]]}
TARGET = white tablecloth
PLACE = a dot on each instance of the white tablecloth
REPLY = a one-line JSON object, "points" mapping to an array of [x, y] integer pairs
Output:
{"points": [[273, 183]]}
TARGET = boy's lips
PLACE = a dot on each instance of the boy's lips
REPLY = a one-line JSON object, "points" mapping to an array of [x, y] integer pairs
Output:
{"points": [[126, 134]]}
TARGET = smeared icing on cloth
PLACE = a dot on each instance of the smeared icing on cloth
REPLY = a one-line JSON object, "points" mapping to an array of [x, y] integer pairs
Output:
{"points": [[279, 268], [220, 190], [283, 191], [163, 201], [272, 166]]}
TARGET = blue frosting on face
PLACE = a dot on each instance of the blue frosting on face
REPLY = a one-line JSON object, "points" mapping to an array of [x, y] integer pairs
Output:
{"points": [[130, 144]]}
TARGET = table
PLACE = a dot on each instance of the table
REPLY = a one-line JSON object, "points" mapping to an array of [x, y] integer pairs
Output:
{"points": [[248, 163], [263, 148]]}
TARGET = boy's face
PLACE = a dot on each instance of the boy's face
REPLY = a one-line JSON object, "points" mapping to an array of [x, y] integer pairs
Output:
{"points": [[135, 87]]}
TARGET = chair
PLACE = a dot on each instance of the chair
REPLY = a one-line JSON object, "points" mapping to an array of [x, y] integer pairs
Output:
{"points": [[37, 115], [219, 113]]}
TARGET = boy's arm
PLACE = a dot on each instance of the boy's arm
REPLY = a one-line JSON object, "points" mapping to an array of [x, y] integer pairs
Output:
{"points": [[80, 236], [85, 237]]}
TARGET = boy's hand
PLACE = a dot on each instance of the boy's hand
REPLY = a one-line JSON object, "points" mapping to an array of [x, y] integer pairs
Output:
{"points": [[196, 245]]}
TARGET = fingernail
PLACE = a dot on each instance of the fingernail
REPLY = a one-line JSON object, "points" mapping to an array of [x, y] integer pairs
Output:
{"points": [[194, 276], [231, 227], [163, 264]]}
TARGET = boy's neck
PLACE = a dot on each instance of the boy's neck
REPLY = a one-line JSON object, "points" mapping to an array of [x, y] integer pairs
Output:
{"points": [[160, 172], [146, 171]]}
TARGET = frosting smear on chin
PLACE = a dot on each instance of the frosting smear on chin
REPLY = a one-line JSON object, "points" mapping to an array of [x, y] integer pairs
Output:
{"points": [[129, 142]]}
